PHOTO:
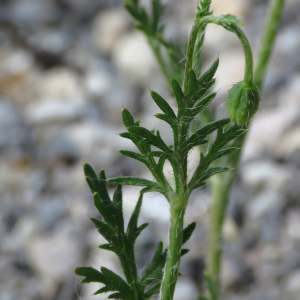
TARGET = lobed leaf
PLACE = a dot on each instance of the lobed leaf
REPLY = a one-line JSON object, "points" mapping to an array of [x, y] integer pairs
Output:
{"points": [[90, 274], [133, 231], [187, 232]]}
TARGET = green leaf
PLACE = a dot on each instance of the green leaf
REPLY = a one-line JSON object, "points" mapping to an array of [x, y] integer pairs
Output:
{"points": [[200, 297], [157, 12], [150, 137], [168, 119], [129, 180], [199, 184], [192, 83], [154, 270], [116, 296], [204, 131], [150, 189], [224, 152], [127, 118], [89, 171], [134, 155], [163, 105], [212, 171], [157, 154], [207, 76], [133, 231], [179, 96], [152, 290], [105, 208], [187, 232], [107, 231], [211, 286], [201, 104], [90, 274], [117, 283], [228, 20], [184, 251]]}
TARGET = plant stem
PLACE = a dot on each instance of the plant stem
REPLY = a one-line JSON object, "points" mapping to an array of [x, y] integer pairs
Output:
{"points": [[221, 183], [248, 77], [220, 188], [174, 250], [154, 45], [270, 32]]}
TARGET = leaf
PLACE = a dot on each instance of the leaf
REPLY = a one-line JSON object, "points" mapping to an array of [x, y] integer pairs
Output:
{"points": [[184, 251], [207, 76], [150, 189], [90, 274], [134, 155], [163, 105], [211, 286], [157, 12], [199, 184], [115, 280], [150, 137], [107, 231], [154, 270], [127, 118], [192, 83], [187, 232], [129, 180], [203, 89], [204, 131], [106, 209], [152, 290], [201, 104], [116, 296], [224, 152], [227, 20], [89, 171], [212, 171], [157, 154], [133, 231], [200, 297], [168, 119], [126, 135], [179, 96]]}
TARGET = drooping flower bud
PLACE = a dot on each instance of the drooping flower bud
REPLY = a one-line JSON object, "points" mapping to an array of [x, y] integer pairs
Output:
{"points": [[242, 102]]}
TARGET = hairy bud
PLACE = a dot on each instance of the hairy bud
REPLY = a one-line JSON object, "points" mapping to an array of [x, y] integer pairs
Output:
{"points": [[242, 102]]}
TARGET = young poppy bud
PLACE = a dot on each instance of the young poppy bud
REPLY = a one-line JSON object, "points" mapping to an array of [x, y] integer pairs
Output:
{"points": [[242, 102]]}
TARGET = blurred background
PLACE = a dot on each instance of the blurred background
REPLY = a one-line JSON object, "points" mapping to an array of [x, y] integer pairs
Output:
{"points": [[66, 69]]}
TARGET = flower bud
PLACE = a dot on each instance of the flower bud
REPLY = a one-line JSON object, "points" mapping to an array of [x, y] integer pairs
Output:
{"points": [[242, 102]]}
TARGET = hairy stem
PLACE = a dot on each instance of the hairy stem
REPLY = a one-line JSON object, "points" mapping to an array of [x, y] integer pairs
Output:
{"points": [[248, 77], [269, 35], [174, 250], [201, 35], [221, 188]]}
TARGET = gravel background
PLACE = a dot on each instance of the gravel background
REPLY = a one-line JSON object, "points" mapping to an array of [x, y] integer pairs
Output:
{"points": [[66, 69]]}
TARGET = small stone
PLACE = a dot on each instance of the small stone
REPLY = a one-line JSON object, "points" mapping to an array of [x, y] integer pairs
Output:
{"points": [[292, 283], [133, 57], [53, 111], [266, 175], [109, 26]]}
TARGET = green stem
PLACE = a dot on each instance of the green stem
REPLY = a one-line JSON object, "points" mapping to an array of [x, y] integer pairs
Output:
{"points": [[221, 184], [248, 77], [220, 188], [154, 45], [220, 191], [174, 249], [201, 35], [270, 32]]}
